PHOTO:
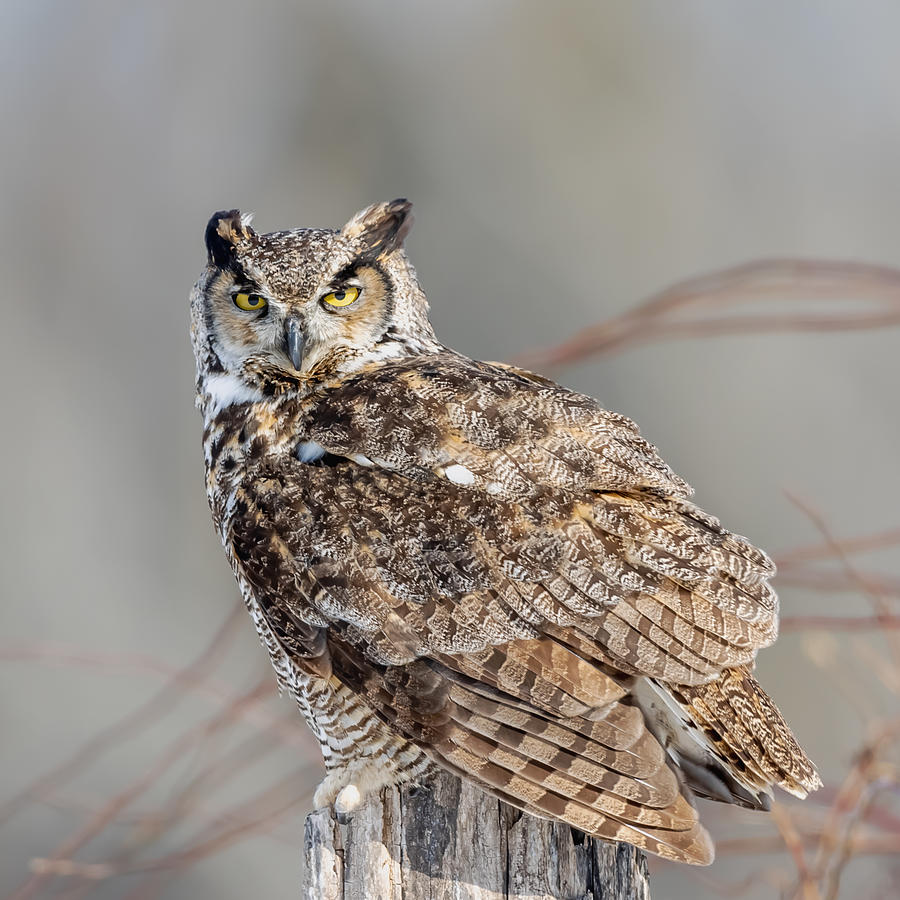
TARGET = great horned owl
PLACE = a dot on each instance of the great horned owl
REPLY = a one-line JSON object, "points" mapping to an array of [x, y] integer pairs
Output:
{"points": [[463, 565]]}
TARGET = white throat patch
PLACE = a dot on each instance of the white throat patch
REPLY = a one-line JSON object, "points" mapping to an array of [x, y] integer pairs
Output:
{"points": [[226, 390]]}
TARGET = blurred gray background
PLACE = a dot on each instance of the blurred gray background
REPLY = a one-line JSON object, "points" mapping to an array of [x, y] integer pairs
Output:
{"points": [[565, 160]]}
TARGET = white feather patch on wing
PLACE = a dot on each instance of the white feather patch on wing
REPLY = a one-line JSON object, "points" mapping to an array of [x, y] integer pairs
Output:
{"points": [[310, 451], [459, 474]]}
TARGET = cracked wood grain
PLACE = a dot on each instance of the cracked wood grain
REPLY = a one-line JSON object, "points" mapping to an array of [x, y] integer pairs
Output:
{"points": [[450, 840]]}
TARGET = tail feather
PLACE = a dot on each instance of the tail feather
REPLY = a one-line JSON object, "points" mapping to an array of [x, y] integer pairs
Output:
{"points": [[550, 674], [617, 726], [641, 759], [741, 720], [692, 844], [556, 728], [595, 767], [678, 815]]}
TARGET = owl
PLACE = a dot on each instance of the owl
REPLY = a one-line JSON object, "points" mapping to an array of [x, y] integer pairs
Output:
{"points": [[463, 566]]}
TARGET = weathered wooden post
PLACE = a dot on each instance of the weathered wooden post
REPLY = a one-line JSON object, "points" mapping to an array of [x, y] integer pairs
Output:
{"points": [[450, 840]]}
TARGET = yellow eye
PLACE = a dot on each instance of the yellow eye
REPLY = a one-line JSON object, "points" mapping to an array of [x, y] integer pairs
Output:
{"points": [[250, 302], [344, 297]]}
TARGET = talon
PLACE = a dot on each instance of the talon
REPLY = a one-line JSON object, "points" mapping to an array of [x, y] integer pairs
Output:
{"points": [[346, 803]]}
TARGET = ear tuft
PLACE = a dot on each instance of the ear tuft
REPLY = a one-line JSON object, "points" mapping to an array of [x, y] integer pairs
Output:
{"points": [[223, 232], [381, 228]]}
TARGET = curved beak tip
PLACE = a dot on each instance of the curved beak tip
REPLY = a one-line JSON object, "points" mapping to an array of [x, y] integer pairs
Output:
{"points": [[295, 342]]}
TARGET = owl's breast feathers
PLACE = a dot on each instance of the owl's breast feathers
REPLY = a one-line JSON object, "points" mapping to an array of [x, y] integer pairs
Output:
{"points": [[514, 580]]}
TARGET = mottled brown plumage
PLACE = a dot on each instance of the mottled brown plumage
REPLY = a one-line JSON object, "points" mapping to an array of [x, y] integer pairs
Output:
{"points": [[459, 564]]}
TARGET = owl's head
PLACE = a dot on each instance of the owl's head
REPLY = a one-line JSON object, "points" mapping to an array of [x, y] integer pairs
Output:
{"points": [[291, 304]]}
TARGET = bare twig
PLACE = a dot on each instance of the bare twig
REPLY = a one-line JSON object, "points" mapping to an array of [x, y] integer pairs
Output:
{"points": [[98, 822], [142, 716], [662, 316], [50, 654], [840, 623], [868, 587], [843, 546]]}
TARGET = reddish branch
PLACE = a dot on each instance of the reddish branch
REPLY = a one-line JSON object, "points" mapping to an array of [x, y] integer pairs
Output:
{"points": [[139, 718], [703, 307], [105, 816]]}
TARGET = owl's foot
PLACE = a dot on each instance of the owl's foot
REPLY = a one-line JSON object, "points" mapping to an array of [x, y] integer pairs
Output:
{"points": [[346, 803], [345, 789]]}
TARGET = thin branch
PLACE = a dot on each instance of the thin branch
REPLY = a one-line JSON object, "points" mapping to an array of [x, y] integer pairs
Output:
{"points": [[662, 316], [98, 822], [831, 581], [845, 546], [141, 717], [867, 587], [839, 623], [54, 654], [794, 844]]}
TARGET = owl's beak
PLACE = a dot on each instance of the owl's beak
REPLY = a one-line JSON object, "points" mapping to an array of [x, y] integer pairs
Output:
{"points": [[294, 342]]}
